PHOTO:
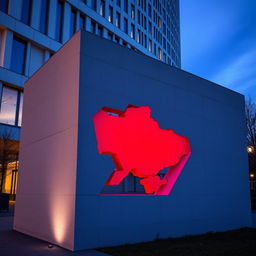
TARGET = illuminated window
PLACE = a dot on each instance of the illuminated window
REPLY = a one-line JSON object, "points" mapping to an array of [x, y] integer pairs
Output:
{"points": [[102, 8], [110, 14], [132, 31], [20, 109], [159, 53], [132, 11], [44, 16], [118, 19], [26, 11], [4, 6], [18, 55], [150, 45]]}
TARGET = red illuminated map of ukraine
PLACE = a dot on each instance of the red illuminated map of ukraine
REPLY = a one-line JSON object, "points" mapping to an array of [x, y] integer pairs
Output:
{"points": [[139, 146]]}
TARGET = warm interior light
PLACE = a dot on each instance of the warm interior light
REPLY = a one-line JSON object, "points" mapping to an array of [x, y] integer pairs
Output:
{"points": [[139, 146], [249, 149], [252, 175]]}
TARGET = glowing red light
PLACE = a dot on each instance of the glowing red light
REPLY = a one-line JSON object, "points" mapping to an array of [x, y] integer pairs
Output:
{"points": [[139, 146]]}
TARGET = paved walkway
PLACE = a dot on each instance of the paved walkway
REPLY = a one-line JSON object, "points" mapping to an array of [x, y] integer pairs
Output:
{"points": [[15, 243]]}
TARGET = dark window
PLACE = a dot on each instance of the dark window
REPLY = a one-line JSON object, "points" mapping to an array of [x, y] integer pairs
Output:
{"points": [[100, 31], [18, 55], [125, 26], [26, 11], [93, 27], [59, 21], [138, 17], [81, 21], [94, 5], [110, 14], [4, 5], [72, 22], [149, 10], [126, 6], [118, 19], [118, 3], [149, 28], [110, 36], [44, 16], [102, 8]]}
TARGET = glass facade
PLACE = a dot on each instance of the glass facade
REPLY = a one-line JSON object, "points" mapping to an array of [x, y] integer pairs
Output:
{"points": [[18, 55], [4, 5], [59, 21], [11, 106], [26, 11], [72, 22], [44, 12]]}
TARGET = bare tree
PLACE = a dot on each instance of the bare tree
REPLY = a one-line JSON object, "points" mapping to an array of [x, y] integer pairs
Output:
{"points": [[250, 110], [8, 153]]}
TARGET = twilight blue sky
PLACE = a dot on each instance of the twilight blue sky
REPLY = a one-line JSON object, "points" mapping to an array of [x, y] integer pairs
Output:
{"points": [[218, 42]]}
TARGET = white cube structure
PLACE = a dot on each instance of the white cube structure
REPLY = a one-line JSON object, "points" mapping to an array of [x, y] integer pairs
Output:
{"points": [[62, 175]]}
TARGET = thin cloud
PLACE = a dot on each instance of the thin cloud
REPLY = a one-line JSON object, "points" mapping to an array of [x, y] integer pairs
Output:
{"points": [[240, 74]]}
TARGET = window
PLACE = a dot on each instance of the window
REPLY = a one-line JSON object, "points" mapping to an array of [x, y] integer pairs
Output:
{"points": [[18, 55], [149, 10], [59, 21], [93, 27], [110, 36], [132, 31], [159, 53], [125, 26], [11, 106], [139, 36], [100, 31], [81, 21], [94, 5], [44, 16], [20, 109], [118, 3], [102, 8], [26, 11], [138, 17], [110, 14], [149, 28], [150, 45], [4, 6], [126, 6], [118, 19], [132, 11], [72, 22]]}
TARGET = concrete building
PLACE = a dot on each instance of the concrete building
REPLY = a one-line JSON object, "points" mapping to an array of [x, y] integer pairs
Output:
{"points": [[31, 31], [62, 174]]}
